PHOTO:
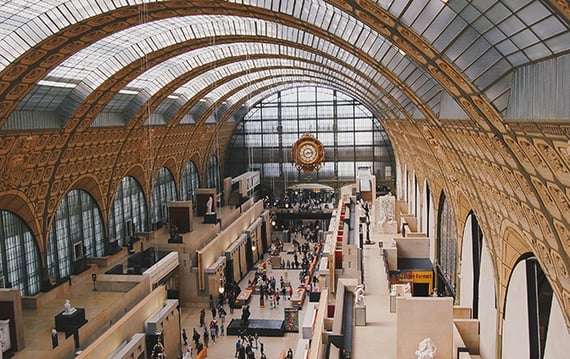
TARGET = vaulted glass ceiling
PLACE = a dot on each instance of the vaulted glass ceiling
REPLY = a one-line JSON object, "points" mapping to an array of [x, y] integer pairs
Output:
{"points": [[177, 57]]}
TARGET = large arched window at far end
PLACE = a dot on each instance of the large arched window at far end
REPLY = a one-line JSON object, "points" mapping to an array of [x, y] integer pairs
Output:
{"points": [[19, 256]]}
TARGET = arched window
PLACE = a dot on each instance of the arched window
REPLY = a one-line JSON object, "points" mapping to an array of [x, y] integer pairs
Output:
{"points": [[213, 175], [190, 182], [527, 313], [19, 255], [76, 233], [471, 251], [164, 190], [128, 214], [352, 137], [447, 248]]}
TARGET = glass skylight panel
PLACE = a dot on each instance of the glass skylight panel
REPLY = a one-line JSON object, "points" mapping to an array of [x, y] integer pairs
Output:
{"points": [[396, 7], [517, 59], [524, 39], [536, 52], [559, 43], [506, 47], [412, 11], [548, 27], [321, 18]]}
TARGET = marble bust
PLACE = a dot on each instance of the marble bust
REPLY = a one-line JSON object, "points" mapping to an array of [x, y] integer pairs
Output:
{"points": [[67, 308]]}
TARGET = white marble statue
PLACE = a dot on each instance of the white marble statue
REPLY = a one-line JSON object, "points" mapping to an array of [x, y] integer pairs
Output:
{"points": [[67, 308], [426, 349], [209, 204], [359, 295], [407, 289], [386, 217], [387, 208]]}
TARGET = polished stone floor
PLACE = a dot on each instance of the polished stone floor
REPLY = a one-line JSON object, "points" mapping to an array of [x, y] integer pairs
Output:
{"points": [[375, 340]]}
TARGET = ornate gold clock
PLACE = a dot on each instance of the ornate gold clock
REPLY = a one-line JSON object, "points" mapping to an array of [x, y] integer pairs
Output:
{"points": [[308, 153]]}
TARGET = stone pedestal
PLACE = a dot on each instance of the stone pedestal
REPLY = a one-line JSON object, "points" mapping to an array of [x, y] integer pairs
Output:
{"points": [[389, 227], [210, 218], [360, 315], [70, 323]]}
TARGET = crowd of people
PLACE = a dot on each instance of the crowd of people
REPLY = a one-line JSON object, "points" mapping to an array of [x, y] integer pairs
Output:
{"points": [[271, 290]]}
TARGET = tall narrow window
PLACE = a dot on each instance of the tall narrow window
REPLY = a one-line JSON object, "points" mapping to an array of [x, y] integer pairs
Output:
{"points": [[76, 233], [213, 175], [164, 191], [128, 214], [19, 255], [447, 248], [190, 182]]}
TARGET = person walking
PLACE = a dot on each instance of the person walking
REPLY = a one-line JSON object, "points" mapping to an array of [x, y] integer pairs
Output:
{"points": [[238, 346], [196, 337], [206, 336], [184, 336], [202, 317]]}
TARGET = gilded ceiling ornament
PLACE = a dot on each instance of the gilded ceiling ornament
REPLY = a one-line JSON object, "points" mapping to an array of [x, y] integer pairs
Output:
{"points": [[532, 153], [13, 169], [564, 234], [552, 159], [308, 153], [560, 267]]}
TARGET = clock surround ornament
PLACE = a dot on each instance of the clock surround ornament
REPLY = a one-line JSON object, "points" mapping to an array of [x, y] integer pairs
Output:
{"points": [[308, 153]]}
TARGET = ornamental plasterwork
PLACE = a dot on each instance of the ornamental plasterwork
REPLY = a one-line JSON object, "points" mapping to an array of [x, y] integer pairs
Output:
{"points": [[489, 113], [545, 196], [564, 234], [546, 230], [537, 160], [552, 159], [519, 153], [560, 267], [444, 80], [560, 199], [408, 49], [456, 78], [526, 189], [533, 222]]}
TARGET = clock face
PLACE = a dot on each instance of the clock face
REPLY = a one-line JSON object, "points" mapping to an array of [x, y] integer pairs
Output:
{"points": [[307, 153]]}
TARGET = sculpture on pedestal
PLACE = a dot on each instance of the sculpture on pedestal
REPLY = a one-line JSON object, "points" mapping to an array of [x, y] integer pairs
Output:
{"points": [[67, 308], [209, 204], [387, 213], [426, 349], [359, 295]]}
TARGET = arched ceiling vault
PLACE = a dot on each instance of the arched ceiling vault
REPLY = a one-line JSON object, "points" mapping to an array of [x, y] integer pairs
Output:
{"points": [[414, 51], [75, 64]]}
